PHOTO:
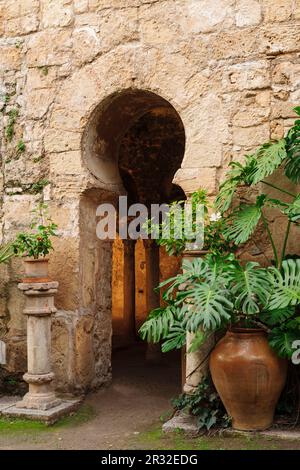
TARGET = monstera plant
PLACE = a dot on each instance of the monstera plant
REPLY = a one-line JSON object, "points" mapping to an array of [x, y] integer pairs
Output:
{"points": [[258, 305]]}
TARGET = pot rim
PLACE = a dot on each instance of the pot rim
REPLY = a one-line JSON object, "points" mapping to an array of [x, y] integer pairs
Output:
{"points": [[35, 260], [244, 330]]}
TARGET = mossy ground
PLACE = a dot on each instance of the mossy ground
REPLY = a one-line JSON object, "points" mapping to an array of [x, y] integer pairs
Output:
{"points": [[20, 433], [155, 439], [15, 425]]}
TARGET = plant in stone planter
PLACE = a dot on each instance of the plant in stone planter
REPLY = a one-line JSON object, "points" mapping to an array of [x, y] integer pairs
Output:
{"points": [[36, 244]]}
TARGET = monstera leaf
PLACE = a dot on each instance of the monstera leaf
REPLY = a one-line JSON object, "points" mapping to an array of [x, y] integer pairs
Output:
{"points": [[268, 158], [243, 222], [210, 306], [293, 210], [281, 339], [237, 174], [159, 323], [286, 290], [292, 167], [251, 287]]}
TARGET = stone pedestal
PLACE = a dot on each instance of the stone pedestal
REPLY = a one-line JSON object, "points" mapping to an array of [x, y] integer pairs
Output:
{"points": [[39, 307]]}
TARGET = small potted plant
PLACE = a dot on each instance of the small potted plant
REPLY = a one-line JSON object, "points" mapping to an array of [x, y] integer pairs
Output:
{"points": [[35, 245]]}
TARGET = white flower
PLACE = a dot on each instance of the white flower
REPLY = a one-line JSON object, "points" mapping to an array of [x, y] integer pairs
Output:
{"points": [[215, 216]]}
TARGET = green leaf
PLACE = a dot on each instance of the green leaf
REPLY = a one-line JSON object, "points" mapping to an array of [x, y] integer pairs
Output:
{"points": [[286, 285], [268, 158], [159, 323], [209, 306], [6, 252], [199, 338], [277, 316], [251, 287], [282, 341], [293, 209], [175, 339], [242, 223], [237, 174], [292, 167]]}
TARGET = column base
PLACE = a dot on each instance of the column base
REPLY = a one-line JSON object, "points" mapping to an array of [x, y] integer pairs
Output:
{"points": [[49, 417], [189, 389], [39, 401]]}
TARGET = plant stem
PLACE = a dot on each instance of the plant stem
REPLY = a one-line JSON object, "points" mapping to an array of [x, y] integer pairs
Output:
{"points": [[285, 242], [278, 188], [271, 239]]}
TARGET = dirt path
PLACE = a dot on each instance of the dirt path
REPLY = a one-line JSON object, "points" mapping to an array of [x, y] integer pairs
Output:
{"points": [[140, 393]]}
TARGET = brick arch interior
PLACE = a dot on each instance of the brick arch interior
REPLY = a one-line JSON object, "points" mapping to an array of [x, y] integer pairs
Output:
{"points": [[133, 144]]}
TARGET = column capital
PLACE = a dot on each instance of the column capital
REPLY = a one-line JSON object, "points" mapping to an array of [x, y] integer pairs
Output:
{"points": [[39, 288]]}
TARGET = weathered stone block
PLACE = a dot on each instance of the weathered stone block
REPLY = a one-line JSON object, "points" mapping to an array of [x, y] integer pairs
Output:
{"points": [[247, 117], [251, 136], [277, 10], [57, 140], [205, 16], [18, 8], [248, 75], [23, 25], [62, 349], [190, 179], [85, 361], [63, 267], [10, 58], [38, 102], [81, 6], [248, 13], [49, 47], [56, 13]]}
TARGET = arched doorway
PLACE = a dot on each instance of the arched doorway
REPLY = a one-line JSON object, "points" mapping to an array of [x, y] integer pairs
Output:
{"points": [[133, 145]]}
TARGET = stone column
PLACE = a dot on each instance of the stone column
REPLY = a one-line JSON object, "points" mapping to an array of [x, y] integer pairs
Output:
{"points": [[152, 297], [195, 363], [39, 307], [129, 287]]}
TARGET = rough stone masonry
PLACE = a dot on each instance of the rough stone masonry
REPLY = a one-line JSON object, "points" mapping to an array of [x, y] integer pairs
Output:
{"points": [[231, 70]]}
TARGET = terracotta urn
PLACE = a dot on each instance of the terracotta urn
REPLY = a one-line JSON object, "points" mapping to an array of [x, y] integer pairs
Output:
{"points": [[36, 270], [248, 376]]}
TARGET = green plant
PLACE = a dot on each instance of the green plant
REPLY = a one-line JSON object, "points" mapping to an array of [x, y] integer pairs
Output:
{"points": [[5, 102], [242, 221], [170, 232], [220, 292], [38, 187], [10, 128], [205, 404], [6, 252], [38, 242], [20, 147]]}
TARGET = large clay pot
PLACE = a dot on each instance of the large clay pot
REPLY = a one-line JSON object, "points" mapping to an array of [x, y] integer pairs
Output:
{"points": [[36, 270], [248, 376]]}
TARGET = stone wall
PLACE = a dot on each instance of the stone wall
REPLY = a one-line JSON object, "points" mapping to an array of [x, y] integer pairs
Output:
{"points": [[231, 70]]}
